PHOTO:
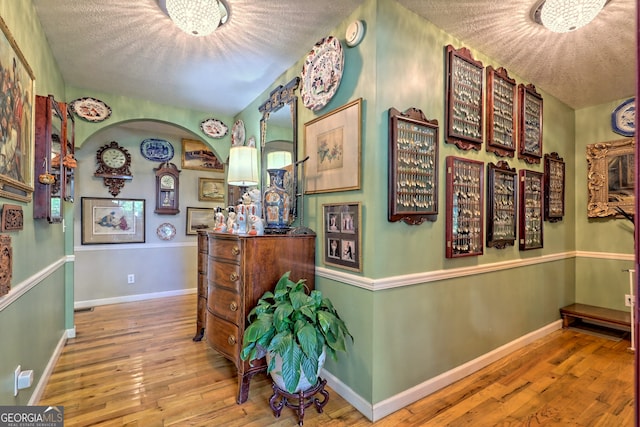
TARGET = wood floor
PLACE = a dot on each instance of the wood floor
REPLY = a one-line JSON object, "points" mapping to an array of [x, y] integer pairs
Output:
{"points": [[135, 364]]}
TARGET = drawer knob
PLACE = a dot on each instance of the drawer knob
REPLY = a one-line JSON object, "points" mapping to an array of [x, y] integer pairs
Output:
{"points": [[233, 277], [233, 306], [231, 340], [235, 250]]}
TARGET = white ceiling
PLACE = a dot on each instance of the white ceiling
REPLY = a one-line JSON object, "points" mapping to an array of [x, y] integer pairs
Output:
{"points": [[132, 47]]}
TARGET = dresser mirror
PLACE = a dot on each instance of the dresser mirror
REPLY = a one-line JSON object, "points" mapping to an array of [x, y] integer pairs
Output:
{"points": [[279, 139]]}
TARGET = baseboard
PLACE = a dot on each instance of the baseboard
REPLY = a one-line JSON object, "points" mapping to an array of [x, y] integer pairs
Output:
{"points": [[388, 406], [48, 370], [132, 298]]}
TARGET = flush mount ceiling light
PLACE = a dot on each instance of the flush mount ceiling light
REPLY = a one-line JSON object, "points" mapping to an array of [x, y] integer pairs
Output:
{"points": [[198, 17], [562, 16]]}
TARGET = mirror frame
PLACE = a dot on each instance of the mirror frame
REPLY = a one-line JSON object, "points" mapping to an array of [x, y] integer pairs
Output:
{"points": [[599, 156], [280, 97]]}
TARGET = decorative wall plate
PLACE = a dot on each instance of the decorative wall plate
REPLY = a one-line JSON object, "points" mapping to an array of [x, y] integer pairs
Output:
{"points": [[354, 33], [90, 109], [156, 150], [623, 118], [237, 133], [166, 231], [322, 73], [214, 128]]}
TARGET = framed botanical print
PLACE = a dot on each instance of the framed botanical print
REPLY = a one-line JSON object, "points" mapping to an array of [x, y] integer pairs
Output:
{"points": [[530, 129], [332, 143], [342, 235]]}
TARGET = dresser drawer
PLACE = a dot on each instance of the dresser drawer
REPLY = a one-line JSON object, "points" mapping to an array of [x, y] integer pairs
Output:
{"points": [[222, 274], [223, 337], [225, 303], [225, 249]]}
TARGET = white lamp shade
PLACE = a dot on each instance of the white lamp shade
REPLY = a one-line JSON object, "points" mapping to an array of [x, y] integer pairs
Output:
{"points": [[243, 166], [562, 16], [278, 159]]}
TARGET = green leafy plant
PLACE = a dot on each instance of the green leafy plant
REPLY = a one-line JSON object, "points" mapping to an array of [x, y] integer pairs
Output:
{"points": [[298, 326]]}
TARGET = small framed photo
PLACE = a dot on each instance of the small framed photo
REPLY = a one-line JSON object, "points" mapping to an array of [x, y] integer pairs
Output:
{"points": [[211, 190], [200, 219], [199, 156], [342, 235], [106, 220]]}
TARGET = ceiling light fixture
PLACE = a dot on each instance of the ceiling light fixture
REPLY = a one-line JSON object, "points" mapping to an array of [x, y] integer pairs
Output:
{"points": [[198, 17], [563, 16]]}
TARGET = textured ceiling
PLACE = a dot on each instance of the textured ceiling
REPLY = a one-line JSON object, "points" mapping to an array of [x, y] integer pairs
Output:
{"points": [[132, 48]]}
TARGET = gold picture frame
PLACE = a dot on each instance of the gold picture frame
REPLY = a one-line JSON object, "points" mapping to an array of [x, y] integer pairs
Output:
{"points": [[611, 178], [342, 235], [108, 220], [200, 219], [198, 156], [211, 190], [16, 170], [332, 143]]}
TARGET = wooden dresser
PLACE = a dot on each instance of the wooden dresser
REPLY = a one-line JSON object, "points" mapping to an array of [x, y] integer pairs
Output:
{"points": [[203, 261], [240, 270]]}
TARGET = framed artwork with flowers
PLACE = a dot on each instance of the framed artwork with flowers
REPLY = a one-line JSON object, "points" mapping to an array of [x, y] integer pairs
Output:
{"points": [[332, 144]]}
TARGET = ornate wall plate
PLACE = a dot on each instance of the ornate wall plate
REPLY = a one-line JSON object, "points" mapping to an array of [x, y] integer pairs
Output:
{"points": [[166, 231], [156, 150], [237, 133], [322, 73], [623, 118], [214, 128], [91, 109]]}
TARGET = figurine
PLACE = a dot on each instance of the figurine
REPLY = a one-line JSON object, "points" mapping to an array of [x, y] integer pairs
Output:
{"points": [[220, 222], [232, 226], [256, 225]]}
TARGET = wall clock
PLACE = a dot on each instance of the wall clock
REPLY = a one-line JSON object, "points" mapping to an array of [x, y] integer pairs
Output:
{"points": [[167, 189], [623, 118], [114, 166]]}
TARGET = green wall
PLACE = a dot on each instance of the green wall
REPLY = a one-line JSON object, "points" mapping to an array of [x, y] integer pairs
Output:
{"points": [[32, 316]]}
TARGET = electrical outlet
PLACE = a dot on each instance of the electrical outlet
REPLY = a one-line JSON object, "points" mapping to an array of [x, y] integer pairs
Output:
{"points": [[628, 300], [131, 278]]}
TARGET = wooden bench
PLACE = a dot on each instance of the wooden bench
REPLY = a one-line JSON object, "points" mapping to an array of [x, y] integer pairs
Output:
{"points": [[591, 312]]}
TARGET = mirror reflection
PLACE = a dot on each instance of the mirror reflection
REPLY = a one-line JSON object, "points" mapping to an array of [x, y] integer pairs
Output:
{"points": [[278, 140], [55, 164]]}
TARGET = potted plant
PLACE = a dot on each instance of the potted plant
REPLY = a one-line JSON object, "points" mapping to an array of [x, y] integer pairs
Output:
{"points": [[294, 329]]}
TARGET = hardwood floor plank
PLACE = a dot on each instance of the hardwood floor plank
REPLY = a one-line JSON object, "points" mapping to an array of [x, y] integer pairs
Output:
{"points": [[135, 365]]}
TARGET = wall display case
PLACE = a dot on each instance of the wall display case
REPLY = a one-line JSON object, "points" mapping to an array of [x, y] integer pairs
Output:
{"points": [[49, 181], [531, 215], [413, 167], [530, 126], [464, 99], [502, 112], [502, 182], [554, 177], [167, 189], [465, 179]]}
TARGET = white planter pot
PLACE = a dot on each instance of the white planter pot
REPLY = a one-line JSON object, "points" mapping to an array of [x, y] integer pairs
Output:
{"points": [[304, 383]]}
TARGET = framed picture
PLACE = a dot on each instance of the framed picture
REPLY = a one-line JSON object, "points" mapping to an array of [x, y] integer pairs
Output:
{"points": [[197, 155], [106, 220], [342, 235], [16, 178], [211, 190], [332, 143], [200, 219]]}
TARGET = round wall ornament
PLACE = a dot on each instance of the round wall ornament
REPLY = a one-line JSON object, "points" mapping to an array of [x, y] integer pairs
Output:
{"points": [[354, 33], [214, 128], [322, 73], [623, 118], [90, 109], [166, 231], [237, 133]]}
